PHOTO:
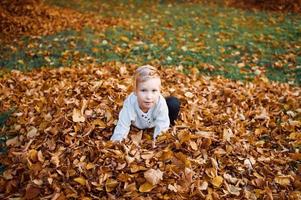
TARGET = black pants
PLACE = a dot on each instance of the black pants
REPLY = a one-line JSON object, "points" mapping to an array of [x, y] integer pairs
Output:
{"points": [[173, 105]]}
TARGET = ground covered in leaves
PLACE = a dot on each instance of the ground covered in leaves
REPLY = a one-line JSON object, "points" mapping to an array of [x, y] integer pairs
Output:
{"points": [[218, 40], [233, 140]]}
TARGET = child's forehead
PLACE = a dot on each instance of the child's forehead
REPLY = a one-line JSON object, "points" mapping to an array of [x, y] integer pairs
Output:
{"points": [[151, 82]]}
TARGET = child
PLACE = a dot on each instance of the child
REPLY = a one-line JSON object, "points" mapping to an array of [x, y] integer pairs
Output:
{"points": [[146, 107]]}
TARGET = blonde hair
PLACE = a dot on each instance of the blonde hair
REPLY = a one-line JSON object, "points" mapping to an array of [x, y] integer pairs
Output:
{"points": [[144, 73]]}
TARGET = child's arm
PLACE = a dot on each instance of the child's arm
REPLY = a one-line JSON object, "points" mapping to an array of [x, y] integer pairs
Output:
{"points": [[123, 125], [162, 121]]}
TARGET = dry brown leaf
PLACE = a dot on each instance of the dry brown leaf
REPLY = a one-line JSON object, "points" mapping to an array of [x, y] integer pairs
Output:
{"points": [[8, 174], [153, 176], [233, 190], [204, 185], [13, 141], [111, 184], [33, 132], [77, 116], [227, 134], [136, 138], [189, 95], [147, 155], [32, 192]]}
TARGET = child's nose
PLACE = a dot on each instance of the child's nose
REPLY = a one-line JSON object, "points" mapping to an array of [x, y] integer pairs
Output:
{"points": [[149, 95]]}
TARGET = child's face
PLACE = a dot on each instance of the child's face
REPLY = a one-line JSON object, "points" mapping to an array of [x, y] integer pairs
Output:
{"points": [[148, 93]]}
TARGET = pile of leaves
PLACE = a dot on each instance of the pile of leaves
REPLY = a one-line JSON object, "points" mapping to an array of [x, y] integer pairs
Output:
{"points": [[34, 18], [233, 139]]}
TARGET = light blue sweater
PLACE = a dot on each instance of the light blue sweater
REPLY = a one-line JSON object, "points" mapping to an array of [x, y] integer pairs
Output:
{"points": [[131, 114]]}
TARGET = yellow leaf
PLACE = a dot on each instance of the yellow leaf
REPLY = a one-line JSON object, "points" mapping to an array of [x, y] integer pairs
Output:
{"points": [[124, 39], [99, 123], [111, 184], [295, 136], [146, 187], [217, 181], [80, 180], [283, 180], [21, 62]]}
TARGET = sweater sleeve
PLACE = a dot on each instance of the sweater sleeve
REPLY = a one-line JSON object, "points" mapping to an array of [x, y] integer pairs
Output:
{"points": [[162, 120], [123, 125]]}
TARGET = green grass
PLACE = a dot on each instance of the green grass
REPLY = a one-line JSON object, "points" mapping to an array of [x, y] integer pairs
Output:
{"points": [[238, 43]]}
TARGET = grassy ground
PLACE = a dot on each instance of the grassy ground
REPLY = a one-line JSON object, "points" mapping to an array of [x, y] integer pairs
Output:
{"points": [[218, 40]]}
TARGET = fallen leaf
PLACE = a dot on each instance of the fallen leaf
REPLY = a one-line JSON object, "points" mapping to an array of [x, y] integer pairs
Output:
{"points": [[77, 116], [217, 181], [146, 187], [204, 185], [90, 166], [31, 192], [99, 123], [227, 134], [153, 176], [13, 141], [189, 95], [283, 180], [137, 138], [8, 174], [111, 184], [80, 180], [33, 132]]}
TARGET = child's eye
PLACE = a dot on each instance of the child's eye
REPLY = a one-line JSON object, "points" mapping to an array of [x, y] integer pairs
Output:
{"points": [[155, 90], [143, 90]]}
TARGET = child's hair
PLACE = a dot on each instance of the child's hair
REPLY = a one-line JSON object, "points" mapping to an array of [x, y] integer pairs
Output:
{"points": [[144, 73]]}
